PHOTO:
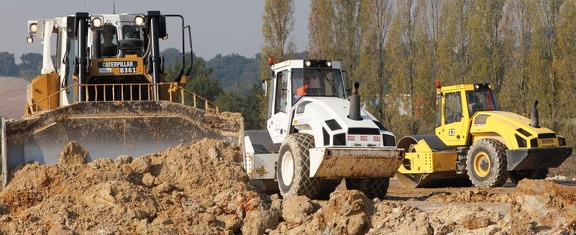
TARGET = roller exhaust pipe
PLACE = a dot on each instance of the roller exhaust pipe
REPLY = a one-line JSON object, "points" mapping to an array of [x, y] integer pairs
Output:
{"points": [[534, 116], [354, 112]]}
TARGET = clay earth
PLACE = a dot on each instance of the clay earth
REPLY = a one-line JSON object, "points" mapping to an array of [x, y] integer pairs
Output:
{"points": [[202, 189]]}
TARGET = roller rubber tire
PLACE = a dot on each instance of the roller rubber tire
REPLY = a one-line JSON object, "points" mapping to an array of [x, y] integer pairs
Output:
{"points": [[294, 167], [486, 163]]}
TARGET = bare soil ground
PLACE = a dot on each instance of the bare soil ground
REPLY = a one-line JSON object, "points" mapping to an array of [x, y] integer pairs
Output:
{"points": [[202, 189]]}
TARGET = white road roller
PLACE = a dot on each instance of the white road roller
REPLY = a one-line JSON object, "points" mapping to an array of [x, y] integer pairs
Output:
{"points": [[317, 134]]}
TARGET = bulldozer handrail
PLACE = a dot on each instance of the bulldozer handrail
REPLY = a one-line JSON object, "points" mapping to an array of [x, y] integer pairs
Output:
{"points": [[176, 93]]}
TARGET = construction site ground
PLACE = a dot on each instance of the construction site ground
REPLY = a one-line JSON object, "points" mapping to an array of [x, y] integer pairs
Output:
{"points": [[202, 189]]}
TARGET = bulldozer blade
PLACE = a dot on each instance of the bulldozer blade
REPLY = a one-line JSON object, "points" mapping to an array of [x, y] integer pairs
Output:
{"points": [[112, 129], [367, 162]]}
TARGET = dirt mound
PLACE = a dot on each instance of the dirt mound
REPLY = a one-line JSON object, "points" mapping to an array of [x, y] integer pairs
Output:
{"points": [[543, 205], [202, 189], [198, 189]]}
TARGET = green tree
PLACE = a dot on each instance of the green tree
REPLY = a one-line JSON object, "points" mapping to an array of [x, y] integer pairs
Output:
{"points": [[453, 62], [543, 82], [30, 66], [518, 27], [409, 85], [485, 46], [229, 101], [334, 31], [375, 22], [254, 119], [564, 66], [278, 23], [235, 73], [172, 57], [8, 65], [201, 81], [278, 18]]}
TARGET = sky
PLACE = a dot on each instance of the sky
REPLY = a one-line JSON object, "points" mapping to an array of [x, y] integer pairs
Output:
{"points": [[218, 26]]}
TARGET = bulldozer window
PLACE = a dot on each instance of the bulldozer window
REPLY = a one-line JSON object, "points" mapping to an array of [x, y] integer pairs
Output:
{"points": [[130, 31], [109, 41], [452, 108]]}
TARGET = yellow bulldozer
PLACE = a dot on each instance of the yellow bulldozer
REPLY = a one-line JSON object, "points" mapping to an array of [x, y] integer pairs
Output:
{"points": [[102, 85], [476, 143]]}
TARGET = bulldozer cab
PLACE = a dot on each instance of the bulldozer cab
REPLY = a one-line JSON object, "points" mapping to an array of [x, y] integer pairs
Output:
{"points": [[457, 106], [103, 57]]}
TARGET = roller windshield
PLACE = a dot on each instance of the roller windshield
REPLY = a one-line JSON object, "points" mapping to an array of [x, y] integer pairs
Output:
{"points": [[317, 82], [481, 100]]}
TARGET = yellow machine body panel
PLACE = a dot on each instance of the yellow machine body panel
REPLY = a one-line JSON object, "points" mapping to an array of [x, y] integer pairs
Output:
{"points": [[424, 160], [511, 129], [40, 93]]}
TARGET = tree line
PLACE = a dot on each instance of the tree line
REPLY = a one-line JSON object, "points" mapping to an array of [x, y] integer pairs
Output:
{"points": [[397, 49], [30, 65]]}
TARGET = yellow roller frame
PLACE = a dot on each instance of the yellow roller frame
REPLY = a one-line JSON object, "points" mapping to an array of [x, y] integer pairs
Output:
{"points": [[422, 159]]}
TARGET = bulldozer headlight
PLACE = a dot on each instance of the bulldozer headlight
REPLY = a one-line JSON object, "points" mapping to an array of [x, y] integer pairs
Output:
{"points": [[139, 20], [329, 63], [97, 22], [33, 28], [307, 63]]}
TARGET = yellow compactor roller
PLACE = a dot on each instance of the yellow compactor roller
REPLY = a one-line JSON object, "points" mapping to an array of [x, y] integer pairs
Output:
{"points": [[102, 85], [474, 142]]}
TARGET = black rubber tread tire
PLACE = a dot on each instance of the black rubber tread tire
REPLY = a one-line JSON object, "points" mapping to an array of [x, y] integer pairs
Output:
{"points": [[533, 174], [301, 184], [496, 153], [371, 187]]}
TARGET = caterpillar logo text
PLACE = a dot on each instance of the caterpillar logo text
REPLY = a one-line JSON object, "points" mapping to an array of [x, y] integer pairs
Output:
{"points": [[123, 66], [119, 64]]}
